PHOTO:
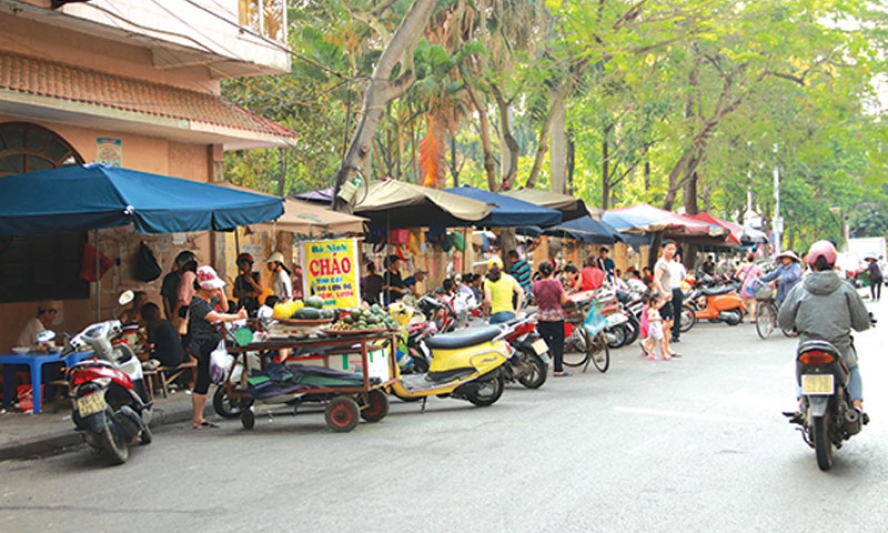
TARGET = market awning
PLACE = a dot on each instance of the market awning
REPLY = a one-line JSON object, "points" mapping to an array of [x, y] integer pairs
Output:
{"points": [[508, 211], [644, 218], [571, 208], [589, 230], [320, 196], [310, 219], [734, 231], [94, 196], [397, 204]]}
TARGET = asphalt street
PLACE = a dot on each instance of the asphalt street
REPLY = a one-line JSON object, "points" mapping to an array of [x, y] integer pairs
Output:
{"points": [[693, 444]]}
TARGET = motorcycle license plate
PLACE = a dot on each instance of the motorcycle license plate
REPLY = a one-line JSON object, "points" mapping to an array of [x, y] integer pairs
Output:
{"points": [[540, 346], [818, 385], [616, 318], [88, 405]]}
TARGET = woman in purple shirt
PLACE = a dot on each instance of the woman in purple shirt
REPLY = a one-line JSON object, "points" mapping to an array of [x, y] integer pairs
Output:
{"points": [[549, 296]]}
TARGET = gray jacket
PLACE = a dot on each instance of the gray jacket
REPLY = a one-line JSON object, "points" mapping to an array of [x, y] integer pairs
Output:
{"points": [[824, 307]]}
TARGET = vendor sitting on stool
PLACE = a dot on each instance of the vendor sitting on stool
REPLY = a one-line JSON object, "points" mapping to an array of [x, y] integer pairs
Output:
{"points": [[163, 337], [46, 314]]}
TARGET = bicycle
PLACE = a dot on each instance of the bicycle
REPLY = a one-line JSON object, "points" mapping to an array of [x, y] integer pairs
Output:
{"points": [[580, 348], [766, 313]]}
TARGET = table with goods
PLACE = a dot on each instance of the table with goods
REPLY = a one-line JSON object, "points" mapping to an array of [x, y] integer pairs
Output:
{"points": [[308, 353]]}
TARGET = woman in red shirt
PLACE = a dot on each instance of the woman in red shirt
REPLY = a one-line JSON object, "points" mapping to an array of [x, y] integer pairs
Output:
{"points": [[549, 295]]}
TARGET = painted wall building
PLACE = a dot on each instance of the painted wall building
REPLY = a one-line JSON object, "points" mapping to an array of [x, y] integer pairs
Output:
{"points": [[130, 83]]}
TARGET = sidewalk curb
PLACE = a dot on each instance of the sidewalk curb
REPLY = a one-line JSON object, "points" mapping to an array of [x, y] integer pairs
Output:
{"points": [[59, 441]]}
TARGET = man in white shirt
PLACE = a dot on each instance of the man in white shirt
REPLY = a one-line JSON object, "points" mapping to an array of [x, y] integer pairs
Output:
{"points": [[677, 274], [46, 314]]}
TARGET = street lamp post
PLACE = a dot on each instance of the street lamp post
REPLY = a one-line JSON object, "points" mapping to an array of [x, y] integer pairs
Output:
{"points": [[778, 222]]}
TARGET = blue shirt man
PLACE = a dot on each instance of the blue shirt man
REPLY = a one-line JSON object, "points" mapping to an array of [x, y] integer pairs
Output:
{"points": [[520, 270]]}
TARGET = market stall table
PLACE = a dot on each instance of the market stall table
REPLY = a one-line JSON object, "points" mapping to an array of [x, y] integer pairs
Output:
{"points": [[35, 361], [344, 404]]}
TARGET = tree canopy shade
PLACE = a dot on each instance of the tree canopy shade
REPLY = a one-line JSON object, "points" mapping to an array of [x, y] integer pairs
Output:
{"points": [[508, 211], [95, 196]]}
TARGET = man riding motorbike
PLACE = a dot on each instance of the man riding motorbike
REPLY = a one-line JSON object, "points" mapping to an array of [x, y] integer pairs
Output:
{"points": [[823, 307]]}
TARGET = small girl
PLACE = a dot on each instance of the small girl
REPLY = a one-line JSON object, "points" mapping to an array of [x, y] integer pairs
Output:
{"points": [[655, 328]]}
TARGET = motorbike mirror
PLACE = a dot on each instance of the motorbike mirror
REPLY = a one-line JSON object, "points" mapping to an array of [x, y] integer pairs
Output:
{"points": [[46, 336], [126, 297]]}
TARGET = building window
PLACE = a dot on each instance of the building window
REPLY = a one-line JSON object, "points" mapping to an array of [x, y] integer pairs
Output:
{"points": [[38, 267], [265, 17]]}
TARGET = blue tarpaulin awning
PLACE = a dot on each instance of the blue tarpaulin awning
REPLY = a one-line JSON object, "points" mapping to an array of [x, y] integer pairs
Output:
{"points": [[587, 229], [509, 212], [95, 196]]}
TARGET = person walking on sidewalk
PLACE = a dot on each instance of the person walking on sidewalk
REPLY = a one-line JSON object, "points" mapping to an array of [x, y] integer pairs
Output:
{"points": [[550, 297], [875, 278]]}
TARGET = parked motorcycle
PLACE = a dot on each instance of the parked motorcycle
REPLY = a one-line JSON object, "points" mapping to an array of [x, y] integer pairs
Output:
{"points": [[827, 416], [111, 406], [530, 365], [720, 303], [467, 365]]}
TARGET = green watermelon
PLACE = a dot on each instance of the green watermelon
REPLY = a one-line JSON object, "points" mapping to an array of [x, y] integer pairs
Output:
{"points": [[315, 302]]}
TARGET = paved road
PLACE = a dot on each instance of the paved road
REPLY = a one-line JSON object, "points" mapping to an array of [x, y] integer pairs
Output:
{"points": [[696, 444]]}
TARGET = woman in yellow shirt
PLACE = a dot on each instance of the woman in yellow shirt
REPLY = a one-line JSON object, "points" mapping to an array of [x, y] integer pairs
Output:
{"points": [[499, 288]]}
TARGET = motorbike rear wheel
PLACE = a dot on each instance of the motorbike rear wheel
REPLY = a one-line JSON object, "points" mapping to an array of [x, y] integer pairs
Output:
{"points": [[633, 328], [538, 375], [688, 318], [822, 443], [114, 445], [734, 317], [487, 390]]}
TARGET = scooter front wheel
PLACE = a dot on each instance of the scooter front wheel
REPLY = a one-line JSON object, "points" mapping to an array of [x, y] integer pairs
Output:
{"points": [[486, 390], [537, 377]]}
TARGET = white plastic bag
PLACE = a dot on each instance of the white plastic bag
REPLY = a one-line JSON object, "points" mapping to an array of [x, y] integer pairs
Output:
{"points": [[220, 363]]}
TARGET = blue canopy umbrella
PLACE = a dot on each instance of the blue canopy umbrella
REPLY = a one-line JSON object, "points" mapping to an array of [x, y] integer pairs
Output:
{"points": [[587, 229], [509, 211], [95, 196]]}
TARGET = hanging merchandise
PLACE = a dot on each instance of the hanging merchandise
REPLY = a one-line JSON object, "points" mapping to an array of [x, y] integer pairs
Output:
{"points": [[398, 236], [458, 241], [88, 264], [146, 267], [446, 245], [436, 235], [401, 252], [413, 242]]}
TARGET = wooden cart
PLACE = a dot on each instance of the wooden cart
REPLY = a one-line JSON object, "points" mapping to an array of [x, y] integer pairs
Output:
{"points": [[344, 405]]}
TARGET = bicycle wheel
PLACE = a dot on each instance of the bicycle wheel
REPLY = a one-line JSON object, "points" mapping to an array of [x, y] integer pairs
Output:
{"points": [[599, 353], [575, 353], [765, 319]]}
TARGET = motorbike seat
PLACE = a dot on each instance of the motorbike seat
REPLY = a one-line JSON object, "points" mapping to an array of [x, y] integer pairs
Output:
{"points": [[715, 291], [464, 338]]}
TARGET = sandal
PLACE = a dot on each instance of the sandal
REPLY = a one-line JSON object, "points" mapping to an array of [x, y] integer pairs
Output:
{"points": [[561, 375], [206, 424]]}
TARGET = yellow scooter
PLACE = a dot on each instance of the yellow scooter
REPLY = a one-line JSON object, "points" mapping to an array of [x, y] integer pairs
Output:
{"points": [[466, 365]]}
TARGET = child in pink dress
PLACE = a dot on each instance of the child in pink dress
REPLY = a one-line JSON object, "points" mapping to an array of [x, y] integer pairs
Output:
{"points": [[655, 328]]}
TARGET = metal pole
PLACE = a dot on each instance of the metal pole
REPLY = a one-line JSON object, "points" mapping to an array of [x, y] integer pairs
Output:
{"points": [[98, 279], [778, 222]]}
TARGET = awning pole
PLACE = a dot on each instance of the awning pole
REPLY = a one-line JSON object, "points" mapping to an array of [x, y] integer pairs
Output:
{"points": [[98, 279]]}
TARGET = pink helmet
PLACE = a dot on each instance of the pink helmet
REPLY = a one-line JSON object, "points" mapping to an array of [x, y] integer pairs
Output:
{"points": [[822, 248]]}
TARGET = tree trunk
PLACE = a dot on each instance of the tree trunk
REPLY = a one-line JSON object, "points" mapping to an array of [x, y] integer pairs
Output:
{"points": [[484, 125], [557, 159], [605, 173], [571, 162], [382, 90], [690, 195], [510, 146]]}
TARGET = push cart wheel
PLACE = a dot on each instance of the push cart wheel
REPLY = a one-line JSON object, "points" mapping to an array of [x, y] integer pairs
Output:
{"points": [[248, 417], [225, 406], [377, 406], [341, 414]]}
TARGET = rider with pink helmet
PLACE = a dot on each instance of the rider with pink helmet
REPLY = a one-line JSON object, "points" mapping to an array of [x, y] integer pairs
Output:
{"points": [[824, 307]]}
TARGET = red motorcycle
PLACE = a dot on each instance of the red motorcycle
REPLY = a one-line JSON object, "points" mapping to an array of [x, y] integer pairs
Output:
{"points": [[111, 405]]}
